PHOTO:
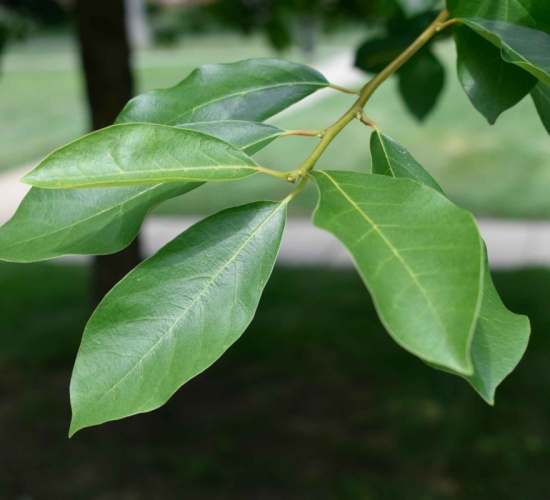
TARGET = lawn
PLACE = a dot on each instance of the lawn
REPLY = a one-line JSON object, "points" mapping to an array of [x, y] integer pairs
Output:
{"points": [[500, 171], [315, 401]]}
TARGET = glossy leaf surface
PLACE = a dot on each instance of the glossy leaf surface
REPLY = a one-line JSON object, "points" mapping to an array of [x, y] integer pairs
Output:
{"points": [[421, 81], [541, 98], [525, 47], [141, 153], [175, 314], [419, 255], [500, 337], [255, 89], [251, 137], [54, 222], [391, 159], [492, 85]]}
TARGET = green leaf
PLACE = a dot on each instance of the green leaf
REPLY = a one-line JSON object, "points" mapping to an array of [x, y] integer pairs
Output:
{"points": [[251, 137], [421, 81], [175, 314], [524, 47], [376, 53], [420, 256], [54, 222], [492, 85], [541, 98], [393, 160], [255, 89], [530, 13], [499, 342], [500, 337], [141, 153]]}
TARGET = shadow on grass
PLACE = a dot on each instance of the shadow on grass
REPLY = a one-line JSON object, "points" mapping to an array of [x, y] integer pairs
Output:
{"points": [[315, 401]]}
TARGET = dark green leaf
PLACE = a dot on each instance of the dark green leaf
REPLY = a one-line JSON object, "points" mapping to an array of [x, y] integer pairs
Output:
{"points": [[54, 222], [530, 13], [500, 337], [247, 90], [420, 256], [524, 47], [492, 84], [141, 153], [421, 81], [375, 54], [541, 98], [175, 314], [393, 160]]}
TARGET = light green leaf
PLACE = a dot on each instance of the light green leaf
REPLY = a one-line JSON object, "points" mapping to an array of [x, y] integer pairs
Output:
{"points": [[251, 137], [175, 314], [491, 84], [421, 81], [420, 256], [525, 47], [141, 153], [541, 98], [393, 160], [500, 337], [54, 222], [255, 89]]}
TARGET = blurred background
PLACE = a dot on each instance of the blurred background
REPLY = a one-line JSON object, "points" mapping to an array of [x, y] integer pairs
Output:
{"points": [[315, 401]]}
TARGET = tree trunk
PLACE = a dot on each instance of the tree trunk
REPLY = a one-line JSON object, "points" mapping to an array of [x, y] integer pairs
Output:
{"points": [[105, 56]]}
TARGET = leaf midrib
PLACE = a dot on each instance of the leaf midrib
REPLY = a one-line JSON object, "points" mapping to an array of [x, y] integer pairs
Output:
{"points": [[183, 314]]}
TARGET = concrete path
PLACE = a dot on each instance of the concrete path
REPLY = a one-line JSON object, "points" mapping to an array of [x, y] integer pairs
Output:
{"points": [[511, 244]]}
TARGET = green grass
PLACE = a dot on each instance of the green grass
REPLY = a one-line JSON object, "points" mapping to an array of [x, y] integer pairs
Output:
{"points": [[500, 171], [315, 401]]}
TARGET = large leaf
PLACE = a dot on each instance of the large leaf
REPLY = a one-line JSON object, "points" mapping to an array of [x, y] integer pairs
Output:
{"points": [[141, 153], [525, 47], [54, 222], [420, 256], [254, 89], [421, 81], [500, 337], [175, 314], [492, 85], [541, 98]]}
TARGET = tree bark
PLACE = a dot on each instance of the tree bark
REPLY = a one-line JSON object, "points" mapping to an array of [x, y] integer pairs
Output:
{"points": [[105, 57]]}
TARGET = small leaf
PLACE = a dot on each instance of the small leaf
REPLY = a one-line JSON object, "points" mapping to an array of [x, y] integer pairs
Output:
{"points": [[500, 337], [141, 153], [54, 222], [175, 314], [376, 53], [421, 81], [524, 47], [393, 160], [541, 98], [491, 84], [255, 89], [419, 255]]}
